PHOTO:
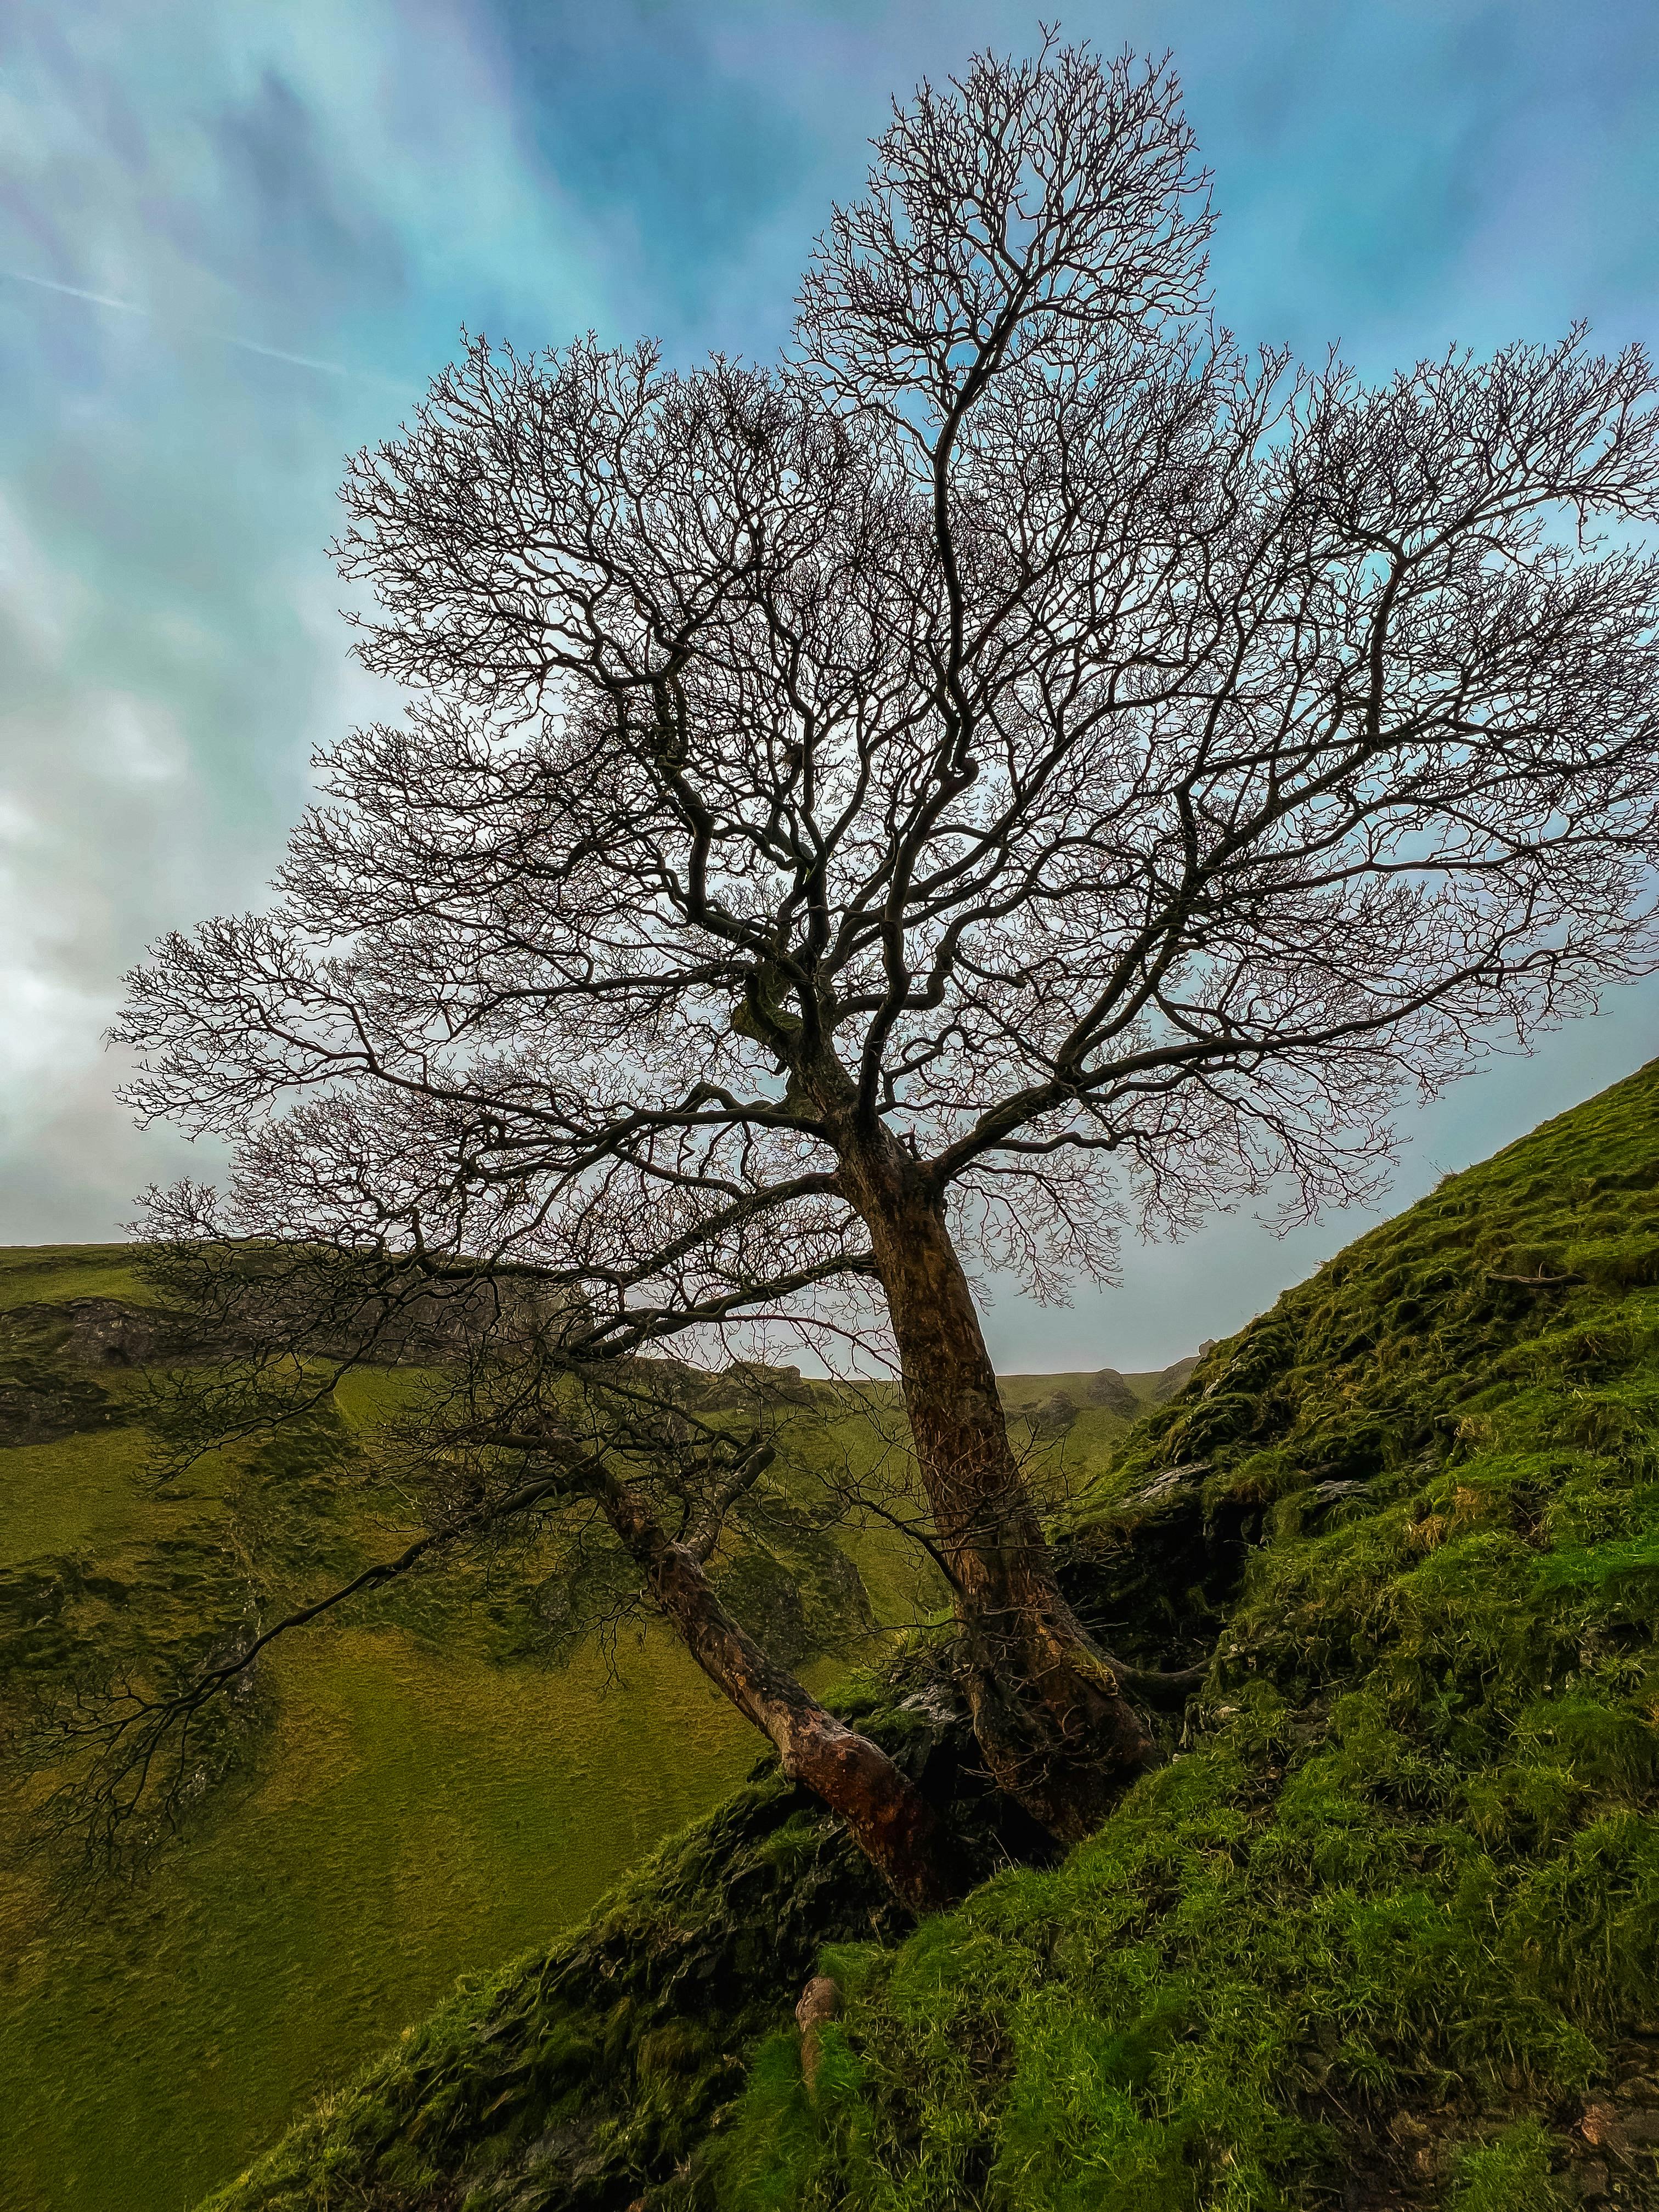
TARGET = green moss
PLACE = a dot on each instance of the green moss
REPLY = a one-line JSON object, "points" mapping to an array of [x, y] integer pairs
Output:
{"points": [[1403, 1859], [1388, 1905], [1511, 2174]]}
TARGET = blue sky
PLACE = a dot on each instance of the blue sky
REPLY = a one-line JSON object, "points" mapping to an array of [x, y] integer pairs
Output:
{"points": [[286, 214]]}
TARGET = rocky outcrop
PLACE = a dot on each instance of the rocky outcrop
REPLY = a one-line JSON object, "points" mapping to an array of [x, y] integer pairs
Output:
{"points": [[1108, 1388]]}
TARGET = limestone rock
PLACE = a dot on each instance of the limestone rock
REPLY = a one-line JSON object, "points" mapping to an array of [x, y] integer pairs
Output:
{"points": [[819, 2000]]}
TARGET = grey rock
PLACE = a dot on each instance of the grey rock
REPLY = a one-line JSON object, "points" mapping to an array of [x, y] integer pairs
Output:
{"points": [[1326, 1493], [109, 1333], [1165, 1484], [1108, 1388]]}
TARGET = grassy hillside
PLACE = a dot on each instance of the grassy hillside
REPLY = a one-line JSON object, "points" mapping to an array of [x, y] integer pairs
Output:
{"points": [[409, 1796], [1384, 1929], [402, 1806], [1381, 1930]]}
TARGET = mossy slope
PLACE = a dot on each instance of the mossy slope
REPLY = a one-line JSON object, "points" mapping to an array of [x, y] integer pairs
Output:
{"points": [[1382, 1929], [1385, 1929]]}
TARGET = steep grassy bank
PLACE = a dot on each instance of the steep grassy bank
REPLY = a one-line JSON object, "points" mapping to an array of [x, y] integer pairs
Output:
{"points": [[418, 1817], [1382, 1929], [1385, 1928], [407, 1796]]}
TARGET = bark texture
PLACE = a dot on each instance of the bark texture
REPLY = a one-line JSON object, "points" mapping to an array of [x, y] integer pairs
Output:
{"points": [[1049, 1713], [888, 1816]]}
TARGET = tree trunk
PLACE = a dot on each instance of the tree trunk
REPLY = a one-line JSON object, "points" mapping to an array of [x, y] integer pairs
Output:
{"points": [[890, 1820], [1056, 1731]]}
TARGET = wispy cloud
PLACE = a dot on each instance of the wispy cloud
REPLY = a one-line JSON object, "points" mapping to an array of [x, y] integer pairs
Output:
{"points": [[73, 292], [221, 337], [176, 184]]}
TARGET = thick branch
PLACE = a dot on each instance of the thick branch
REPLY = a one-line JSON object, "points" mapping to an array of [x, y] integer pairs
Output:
{"points": [[888, 1816]]}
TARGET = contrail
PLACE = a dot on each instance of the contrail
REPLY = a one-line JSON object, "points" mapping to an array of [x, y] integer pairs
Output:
{"points": [[74, 292], [224, 337]]}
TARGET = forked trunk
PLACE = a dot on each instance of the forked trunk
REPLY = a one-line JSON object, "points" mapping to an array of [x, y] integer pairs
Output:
{"points": [[888, 1818], [1056, 1731]]}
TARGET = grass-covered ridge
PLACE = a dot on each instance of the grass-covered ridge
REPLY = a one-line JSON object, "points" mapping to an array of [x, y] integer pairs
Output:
{"points": [[1386, 1923]]}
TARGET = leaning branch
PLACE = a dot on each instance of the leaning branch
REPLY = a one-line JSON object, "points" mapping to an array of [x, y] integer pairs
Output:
{"points": [[156, 1715]]}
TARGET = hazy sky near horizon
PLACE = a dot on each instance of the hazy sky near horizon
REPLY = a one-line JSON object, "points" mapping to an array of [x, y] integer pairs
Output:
{"points": [[235, 242]]}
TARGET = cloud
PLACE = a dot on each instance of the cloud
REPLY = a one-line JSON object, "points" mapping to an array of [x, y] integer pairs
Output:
{"points": [[231, 259], [247, 235]]}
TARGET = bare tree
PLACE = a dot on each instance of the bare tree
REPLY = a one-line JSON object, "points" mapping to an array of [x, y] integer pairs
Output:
{"points": [[1019, 764]]}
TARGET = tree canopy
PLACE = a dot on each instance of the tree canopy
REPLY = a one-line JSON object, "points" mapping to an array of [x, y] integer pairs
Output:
{"points": [[1018, 763]]}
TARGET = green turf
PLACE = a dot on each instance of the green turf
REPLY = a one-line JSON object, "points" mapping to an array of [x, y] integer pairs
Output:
{"points": [[419, 1810], [1381, 1929], [1383, 1917], [51, 1273], [78, 1493], [1390, 1909], [423, 1816]]}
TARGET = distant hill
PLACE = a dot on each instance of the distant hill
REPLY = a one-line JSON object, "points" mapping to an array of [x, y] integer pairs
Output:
{"points": [[1381, 1929], [410, 1792]]}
